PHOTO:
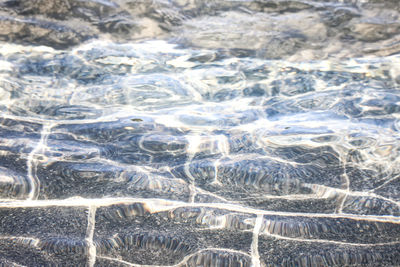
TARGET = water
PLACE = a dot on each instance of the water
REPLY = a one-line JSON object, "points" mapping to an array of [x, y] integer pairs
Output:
{"points": [[199, 133]]}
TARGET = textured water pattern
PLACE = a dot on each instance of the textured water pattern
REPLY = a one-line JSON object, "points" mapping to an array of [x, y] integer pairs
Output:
{"points": [[199, 133]]}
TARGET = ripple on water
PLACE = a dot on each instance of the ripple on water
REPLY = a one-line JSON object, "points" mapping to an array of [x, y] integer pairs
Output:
{"points": [[23, 241], [134, 235]]}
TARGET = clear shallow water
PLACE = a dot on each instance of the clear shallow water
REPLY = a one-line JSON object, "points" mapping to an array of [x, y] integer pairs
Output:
{"points": [[197, 133]]}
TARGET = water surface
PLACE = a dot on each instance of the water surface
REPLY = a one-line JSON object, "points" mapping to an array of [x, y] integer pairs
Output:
{"points": [[199, 133]]}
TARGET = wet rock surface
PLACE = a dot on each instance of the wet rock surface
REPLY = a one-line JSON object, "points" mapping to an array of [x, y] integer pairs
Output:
{"points": [[293, 30]]}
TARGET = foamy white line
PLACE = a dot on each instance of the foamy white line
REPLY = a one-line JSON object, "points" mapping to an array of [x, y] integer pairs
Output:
{"points": [[34, 181], [255, 256], [154, 205], [89, 236]]}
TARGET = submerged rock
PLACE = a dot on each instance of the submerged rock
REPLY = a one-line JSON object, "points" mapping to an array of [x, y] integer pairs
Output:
{"points": [[294, 30]]}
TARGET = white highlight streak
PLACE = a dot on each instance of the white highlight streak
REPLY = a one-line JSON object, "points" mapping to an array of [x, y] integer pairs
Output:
{"points": [[31, 164], [185, 259], [155, 205], [255, 257], [89, 236], [326, 241]]}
